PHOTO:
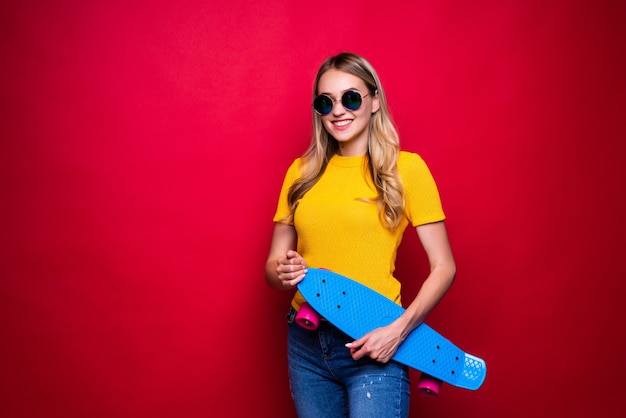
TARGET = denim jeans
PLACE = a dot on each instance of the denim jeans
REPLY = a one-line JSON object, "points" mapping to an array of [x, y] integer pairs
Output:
{"points": [[326, 382]]}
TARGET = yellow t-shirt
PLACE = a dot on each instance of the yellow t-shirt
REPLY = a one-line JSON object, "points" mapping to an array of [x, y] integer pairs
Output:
{"points": [[342, 233]]}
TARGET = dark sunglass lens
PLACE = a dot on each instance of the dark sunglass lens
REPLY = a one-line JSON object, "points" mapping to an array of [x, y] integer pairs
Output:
{"points": [[351, 100], [323, 104]]}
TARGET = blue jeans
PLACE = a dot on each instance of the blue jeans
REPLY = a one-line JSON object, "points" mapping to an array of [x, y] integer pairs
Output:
{"points": [[326, 382]]}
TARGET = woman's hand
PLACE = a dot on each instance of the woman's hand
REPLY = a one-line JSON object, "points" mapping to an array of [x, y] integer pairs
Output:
{"points": [[290, 269], [380, 344], [284, 268]]}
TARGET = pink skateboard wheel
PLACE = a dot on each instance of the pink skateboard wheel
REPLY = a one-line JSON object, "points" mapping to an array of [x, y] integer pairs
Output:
{"points": [[428, 385], [307, 318]]}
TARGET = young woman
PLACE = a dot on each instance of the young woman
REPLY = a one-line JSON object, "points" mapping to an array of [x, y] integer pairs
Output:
{"points": [[344, 206]]}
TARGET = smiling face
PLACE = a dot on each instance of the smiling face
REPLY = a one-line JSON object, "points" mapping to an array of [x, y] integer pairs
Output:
{"points": [[349, 127]]}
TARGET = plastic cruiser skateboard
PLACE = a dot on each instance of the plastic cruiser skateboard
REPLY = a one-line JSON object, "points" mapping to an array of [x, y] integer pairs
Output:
{"points": [[356, 310]]}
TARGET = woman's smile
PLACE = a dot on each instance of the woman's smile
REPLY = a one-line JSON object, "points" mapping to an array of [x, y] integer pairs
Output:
{"points": [[342, 124]]}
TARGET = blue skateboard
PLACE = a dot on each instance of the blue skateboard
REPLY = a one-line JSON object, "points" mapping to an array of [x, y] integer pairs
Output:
{"points": [[356, 310]]}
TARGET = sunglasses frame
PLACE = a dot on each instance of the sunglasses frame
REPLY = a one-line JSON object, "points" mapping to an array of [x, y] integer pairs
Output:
{"points": [[343, 101]]}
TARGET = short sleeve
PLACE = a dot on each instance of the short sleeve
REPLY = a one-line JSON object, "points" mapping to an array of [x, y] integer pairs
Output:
{"points": [[282, 208], [422, 200]]}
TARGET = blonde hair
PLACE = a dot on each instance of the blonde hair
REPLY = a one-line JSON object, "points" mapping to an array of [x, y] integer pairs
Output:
{"points": [[383, 146]]}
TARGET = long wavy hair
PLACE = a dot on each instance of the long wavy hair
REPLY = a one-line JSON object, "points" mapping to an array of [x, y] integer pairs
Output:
{"points": [[382, 153]]}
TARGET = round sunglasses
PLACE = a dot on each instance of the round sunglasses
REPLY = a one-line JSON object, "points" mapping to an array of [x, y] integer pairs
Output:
{"points": [[351, 100]]}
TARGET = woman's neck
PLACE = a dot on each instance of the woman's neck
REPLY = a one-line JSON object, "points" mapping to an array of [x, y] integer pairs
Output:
{"points": [[352, 150]]}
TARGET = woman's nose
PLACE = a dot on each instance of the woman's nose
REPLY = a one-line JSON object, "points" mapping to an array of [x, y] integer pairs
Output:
{"points": [[338, 108]]}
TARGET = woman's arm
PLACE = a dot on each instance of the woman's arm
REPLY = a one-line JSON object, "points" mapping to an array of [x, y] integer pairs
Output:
{"points": [[382, 343], [434, 238], [284, 268]]}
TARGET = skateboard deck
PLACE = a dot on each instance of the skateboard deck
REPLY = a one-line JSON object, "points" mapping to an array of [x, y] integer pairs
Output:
{"points": [[356, 310]]}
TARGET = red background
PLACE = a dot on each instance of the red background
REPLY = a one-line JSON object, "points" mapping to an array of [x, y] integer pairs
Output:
{"points": [[144, 143]]}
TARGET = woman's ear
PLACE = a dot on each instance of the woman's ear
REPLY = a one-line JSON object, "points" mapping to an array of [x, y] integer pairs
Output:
{"points": [[375, 102]]}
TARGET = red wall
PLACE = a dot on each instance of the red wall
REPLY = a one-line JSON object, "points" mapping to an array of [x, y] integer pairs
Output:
{"points": [[142, 149]]}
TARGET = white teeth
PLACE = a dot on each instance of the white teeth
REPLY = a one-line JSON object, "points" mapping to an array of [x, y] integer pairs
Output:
{"points": [[342, 122]]}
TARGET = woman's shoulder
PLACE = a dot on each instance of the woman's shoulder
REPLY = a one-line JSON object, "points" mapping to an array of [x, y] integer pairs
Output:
{"points": [[293, 171], [295, 164], [409, 155], [408, 160]]}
